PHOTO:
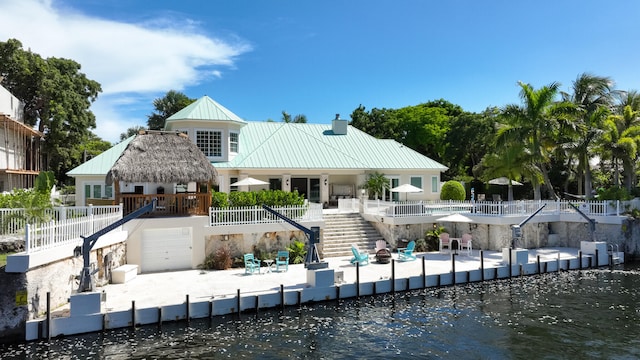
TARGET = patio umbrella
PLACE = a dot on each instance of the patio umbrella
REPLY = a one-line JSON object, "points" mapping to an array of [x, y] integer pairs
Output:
{"points": [[505, 181], [406, 188], [455, 218], [248, 182]]}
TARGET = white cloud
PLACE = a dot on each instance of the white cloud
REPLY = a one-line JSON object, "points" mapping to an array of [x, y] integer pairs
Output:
{"points": [[127, 59]]}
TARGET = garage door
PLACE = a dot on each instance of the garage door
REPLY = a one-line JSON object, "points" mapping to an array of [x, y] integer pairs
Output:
{"points": [[166, 249]]}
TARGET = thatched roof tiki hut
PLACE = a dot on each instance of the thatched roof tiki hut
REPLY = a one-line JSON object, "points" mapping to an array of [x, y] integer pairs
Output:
{"points": [[166, 165]]}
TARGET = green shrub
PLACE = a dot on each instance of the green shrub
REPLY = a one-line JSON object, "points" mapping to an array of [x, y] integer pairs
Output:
{"points": [[218, 260], [421, 245], [614, 193], [432, 238], [219, 200], [256, 198], [297, 252], [452, 190]]}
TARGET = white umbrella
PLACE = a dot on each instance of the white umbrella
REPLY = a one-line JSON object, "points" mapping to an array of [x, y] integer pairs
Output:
{"points": [[503, 181], [249, 181], [406, 188], [455, 218]]}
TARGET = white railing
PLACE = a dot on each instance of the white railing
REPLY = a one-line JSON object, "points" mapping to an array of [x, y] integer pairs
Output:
{"points": [[258, 215], [489, 208], [13, 221], [348, 205], [42, 236]]}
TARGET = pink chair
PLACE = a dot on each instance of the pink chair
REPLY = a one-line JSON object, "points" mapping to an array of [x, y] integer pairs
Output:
{"points": [[444, 241], [465, 243]]}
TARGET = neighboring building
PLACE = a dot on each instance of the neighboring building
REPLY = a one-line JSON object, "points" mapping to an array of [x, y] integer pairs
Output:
{"points": [[322, 162], [20, 158]]}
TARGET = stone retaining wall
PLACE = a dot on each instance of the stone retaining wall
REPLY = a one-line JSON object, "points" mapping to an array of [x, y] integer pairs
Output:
{"points": [[58, 279]]}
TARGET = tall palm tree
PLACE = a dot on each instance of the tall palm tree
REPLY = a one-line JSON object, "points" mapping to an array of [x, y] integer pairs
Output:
{"points": [[512, 162], [533, 125], [592, 97], [621, 141]]}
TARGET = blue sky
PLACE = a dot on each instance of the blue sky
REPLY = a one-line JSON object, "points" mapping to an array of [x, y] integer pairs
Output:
{"points": [[320, 58]]}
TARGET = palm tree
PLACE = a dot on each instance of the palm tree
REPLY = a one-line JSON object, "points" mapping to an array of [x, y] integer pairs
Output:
{"points": [[621, 141], [532, 125], [592, 97], [376, 184], [511, 162]]}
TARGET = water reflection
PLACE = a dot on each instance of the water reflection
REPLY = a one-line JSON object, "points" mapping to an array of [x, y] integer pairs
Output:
{"points": [[576, 314]]}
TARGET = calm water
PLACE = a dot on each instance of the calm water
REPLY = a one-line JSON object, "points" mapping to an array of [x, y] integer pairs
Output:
{"points": [[591, 314]]}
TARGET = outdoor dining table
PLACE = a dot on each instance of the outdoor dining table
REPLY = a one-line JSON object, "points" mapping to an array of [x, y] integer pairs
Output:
{"points": [[269, 263]]}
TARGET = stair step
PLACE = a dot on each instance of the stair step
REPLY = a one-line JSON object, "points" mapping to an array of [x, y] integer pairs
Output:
{"points": [[343, 230]]}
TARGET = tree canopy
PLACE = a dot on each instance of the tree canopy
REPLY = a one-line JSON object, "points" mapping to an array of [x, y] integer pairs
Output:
{"points": [[172, 102]]}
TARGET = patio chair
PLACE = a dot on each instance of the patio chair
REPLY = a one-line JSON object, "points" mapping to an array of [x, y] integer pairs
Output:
{"points": [[361, 258], [282, 259], [381, 245], [465, 243], [444, 242], [251, 265], [406, 254]]}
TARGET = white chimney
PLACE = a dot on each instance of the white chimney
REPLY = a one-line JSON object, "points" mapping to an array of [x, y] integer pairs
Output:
{"points": [[339, 126]]}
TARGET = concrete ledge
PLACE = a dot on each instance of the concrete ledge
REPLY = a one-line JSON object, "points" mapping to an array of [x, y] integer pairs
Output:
{"points": [[124, 273]]}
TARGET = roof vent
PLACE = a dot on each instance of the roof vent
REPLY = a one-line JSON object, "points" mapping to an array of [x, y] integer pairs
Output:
{"points": [[339, 126]]}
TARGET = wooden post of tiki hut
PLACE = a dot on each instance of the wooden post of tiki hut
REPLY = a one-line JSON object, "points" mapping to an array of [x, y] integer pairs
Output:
{"points": [[161, 160]]}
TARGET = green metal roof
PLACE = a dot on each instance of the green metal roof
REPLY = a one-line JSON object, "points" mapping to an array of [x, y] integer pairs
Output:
{"points": [[205, 109], [315, 146], [101, 164]]}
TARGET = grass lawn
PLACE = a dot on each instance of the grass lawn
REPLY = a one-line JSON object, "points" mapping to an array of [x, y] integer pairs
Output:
{"points": [[3, 259]]}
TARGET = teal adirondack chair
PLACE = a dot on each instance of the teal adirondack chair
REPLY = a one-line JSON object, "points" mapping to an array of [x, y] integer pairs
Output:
{"points": [[406, 254], [358, 257], [282, 259], [251, 265]]}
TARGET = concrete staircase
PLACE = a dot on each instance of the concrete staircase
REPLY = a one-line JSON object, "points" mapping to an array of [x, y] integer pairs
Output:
{"points": [[342, 230]]}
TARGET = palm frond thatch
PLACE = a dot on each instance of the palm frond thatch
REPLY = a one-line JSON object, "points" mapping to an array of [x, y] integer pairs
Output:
{"points": [[161, 157]]}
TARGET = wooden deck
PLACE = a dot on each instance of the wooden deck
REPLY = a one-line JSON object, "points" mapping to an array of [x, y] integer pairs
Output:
{"points": [[183, 204]]}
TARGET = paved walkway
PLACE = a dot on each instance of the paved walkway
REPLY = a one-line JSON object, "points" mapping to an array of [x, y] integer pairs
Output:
{"points": [[158, 289]]}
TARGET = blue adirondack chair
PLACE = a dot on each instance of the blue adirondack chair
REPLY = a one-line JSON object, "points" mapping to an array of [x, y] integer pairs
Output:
{"points": [[251, 265], [406, 254], [282, 259], [358, 257]]}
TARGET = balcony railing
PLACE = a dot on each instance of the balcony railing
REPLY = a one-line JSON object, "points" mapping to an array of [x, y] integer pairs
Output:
{"points": [[489, 208], [168, 204]]}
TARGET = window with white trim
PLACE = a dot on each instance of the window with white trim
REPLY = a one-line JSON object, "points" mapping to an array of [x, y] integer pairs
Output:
{"points": [[233, 142], [416, 181], [434, 184], [209, 142]]}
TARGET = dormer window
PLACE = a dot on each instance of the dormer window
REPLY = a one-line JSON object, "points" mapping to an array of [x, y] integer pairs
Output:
{"points": [[233, 142], [209, 142]]}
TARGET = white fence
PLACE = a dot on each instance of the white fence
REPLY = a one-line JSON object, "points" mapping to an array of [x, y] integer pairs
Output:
{"points": [[258, 215], [489, 208], [13, 221], [84, 221]]}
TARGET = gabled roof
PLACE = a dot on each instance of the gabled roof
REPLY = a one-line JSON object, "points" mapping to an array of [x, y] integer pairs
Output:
{"points": [[205, 109], [272, 145], [101, 164]]}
